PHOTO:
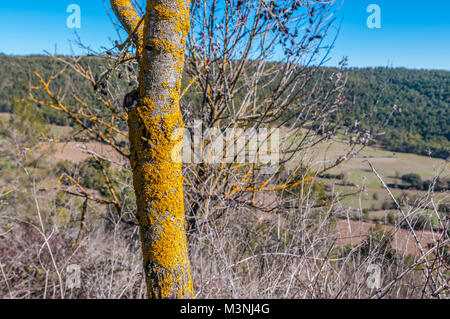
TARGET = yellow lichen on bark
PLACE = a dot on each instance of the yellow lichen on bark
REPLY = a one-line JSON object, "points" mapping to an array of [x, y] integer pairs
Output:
{"points": [[129, 18], [159, 184], [157, 177]]}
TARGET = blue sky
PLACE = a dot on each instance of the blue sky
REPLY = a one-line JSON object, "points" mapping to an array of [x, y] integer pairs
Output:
{"points": [[413, 33]]}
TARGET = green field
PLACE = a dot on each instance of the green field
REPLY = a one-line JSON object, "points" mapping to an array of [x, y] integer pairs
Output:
{"points": [[390, 166]]}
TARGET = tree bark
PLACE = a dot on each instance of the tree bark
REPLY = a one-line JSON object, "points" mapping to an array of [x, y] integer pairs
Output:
{"points": [[155, 145]]}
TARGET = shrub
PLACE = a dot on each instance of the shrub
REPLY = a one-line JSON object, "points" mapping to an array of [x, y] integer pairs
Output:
{"points": [[391, 218], [388, 205], [413, 179], [444, 207]]}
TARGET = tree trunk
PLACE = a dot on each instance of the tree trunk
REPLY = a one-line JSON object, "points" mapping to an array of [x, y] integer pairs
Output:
{"points": [[155, 146]]}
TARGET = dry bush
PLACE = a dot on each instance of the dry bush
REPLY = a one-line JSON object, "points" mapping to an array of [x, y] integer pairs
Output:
{"points": [[36, 252], [291, 254], [288, 253]]}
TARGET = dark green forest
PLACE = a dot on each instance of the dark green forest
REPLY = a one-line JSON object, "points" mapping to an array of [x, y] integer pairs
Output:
{"points": [[410, 107]]}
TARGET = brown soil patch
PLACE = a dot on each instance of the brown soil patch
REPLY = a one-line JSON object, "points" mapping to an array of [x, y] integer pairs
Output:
{"points": [[77, 152], [354, 232]]}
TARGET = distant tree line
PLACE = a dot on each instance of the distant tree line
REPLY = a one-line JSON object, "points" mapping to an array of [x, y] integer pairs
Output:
{"points": [[414, 181]]}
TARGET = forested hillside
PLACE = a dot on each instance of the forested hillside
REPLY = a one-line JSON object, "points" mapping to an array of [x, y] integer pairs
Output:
{"points": [[418, 100], [16, 75], [411, 105]]}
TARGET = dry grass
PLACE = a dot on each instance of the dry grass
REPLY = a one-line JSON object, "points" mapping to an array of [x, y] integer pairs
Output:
{"points": [[293, 254]]}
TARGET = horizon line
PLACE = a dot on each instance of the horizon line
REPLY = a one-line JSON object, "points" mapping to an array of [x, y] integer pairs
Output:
{"points": [[325, 66]]}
